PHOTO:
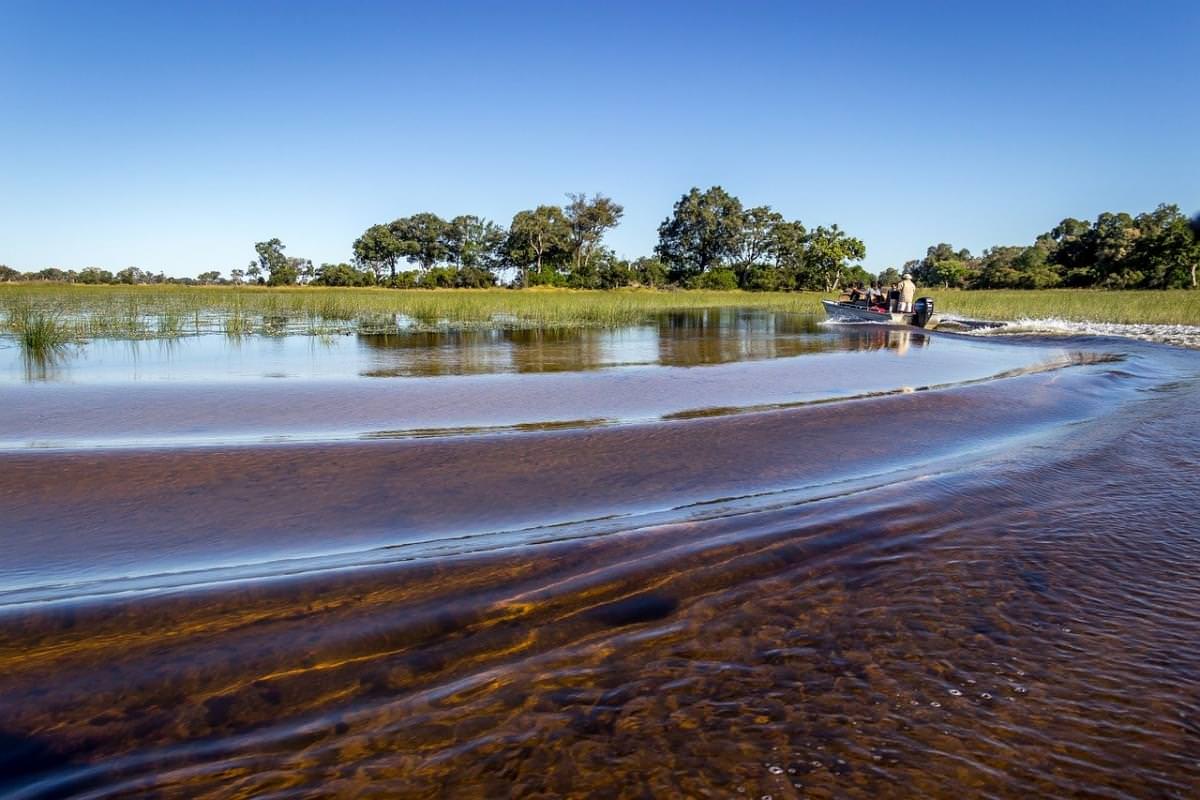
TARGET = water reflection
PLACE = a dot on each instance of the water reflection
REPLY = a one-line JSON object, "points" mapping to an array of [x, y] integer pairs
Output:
{"points": [[677, 339], [42, 365]]}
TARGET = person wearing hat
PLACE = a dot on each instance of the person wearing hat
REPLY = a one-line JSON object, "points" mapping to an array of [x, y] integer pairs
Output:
{"points": [[908, 293]]}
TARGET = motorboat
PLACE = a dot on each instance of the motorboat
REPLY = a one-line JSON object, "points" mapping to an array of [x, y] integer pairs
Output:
{"points": [[922, 315]]}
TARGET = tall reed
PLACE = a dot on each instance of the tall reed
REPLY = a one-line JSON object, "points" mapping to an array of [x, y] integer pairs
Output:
{"points": [[39, 331]]}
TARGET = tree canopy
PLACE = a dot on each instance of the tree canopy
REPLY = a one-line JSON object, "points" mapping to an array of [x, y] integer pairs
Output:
{"points": [[710, 240]]}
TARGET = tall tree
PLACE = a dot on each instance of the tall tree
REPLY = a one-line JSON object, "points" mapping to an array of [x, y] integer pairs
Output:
{"points": [[420, 238], [589, 220], [537, 237], [473, 242], [829, 252], [1164, 250], [789, 249], [702, 233], [280, 270], [378, 249], [754, 240]]}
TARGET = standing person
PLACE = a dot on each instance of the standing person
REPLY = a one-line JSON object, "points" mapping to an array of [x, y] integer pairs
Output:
{"points": [[908, 293]]}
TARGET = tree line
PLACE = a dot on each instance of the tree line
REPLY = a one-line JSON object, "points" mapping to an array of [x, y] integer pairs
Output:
{"points": [[1158, 249], [709, 241]]}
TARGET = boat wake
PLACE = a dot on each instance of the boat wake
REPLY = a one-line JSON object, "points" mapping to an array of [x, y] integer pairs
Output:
{"points": [[1179, 335]]}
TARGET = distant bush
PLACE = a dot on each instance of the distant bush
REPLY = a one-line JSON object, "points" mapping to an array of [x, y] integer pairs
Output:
{"points": [[720, 279]]}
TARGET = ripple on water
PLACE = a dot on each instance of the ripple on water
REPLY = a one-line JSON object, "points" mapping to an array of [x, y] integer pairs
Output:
{"points": [[768, 650]]}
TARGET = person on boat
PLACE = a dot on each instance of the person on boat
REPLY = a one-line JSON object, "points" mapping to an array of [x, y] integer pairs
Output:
{"points": [[908, 293], [857, 293], [875, 296], [893, 297]]}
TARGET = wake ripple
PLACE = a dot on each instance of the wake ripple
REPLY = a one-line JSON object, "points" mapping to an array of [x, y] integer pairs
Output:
{"points": [[1179, 335]]}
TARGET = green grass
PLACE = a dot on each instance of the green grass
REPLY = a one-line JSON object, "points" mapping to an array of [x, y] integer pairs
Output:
{"points": [[1173, 307], [135, 312], [152, 311], [41, 332]]}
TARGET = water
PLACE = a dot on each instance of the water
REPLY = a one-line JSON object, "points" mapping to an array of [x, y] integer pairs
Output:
{"points": [[824, 582]]}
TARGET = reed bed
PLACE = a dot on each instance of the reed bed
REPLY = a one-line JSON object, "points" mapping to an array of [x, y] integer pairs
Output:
{"points": [[139, 312], [1171, 307]]}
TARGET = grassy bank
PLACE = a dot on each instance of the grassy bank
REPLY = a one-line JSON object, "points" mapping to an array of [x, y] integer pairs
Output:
{"points": [[138, 312], [1173, 307], [164, 311]]}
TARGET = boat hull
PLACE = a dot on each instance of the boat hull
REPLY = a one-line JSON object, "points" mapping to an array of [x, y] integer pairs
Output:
{"points": [[844, 312]]}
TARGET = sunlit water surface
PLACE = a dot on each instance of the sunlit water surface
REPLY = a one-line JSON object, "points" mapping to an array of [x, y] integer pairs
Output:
{"points": [[724, 555]]}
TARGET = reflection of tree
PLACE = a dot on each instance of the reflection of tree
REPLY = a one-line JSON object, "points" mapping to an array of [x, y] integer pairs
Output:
{"points": [[680, 339]]}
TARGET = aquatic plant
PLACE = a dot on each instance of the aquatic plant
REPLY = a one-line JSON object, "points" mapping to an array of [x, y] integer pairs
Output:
{"points": [[170, 325], [39, 331]]}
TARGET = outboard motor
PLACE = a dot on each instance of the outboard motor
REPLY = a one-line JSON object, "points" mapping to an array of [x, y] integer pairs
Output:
{"points": [[922, 311]]}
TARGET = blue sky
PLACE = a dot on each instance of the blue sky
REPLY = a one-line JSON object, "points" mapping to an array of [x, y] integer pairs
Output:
{"points": [[173, 135]]}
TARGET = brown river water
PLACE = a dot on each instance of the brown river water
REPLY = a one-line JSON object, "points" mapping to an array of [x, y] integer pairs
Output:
{"points": [[721, 555]]}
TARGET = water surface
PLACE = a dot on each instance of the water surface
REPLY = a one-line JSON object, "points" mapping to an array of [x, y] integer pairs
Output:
{"points": [[928, 566]]}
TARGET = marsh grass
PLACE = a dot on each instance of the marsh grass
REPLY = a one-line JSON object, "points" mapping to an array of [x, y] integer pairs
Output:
{"points": [[132, 312], [40, 332], [170, 325], [1172, 307]]}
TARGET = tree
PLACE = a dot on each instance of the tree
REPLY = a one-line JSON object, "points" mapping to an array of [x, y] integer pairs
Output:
{"points": [[94, 275], [789, 249], [1164, 251], [238, 276], [378, 249], [889, 276], [420, 238], [649, 272], [537, 237], [1111, 240], [280, 270], [703, 232], [754, 240], [589, 220], [131, 276], [7, 273], [212, 276], [472, 242], [997, 268], [828, 252], [304, 269], [946, 266], [343, 275], [1194, 225]]}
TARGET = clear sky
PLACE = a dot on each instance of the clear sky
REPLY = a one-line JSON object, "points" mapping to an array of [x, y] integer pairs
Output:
{"points": [[173, 135]]}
